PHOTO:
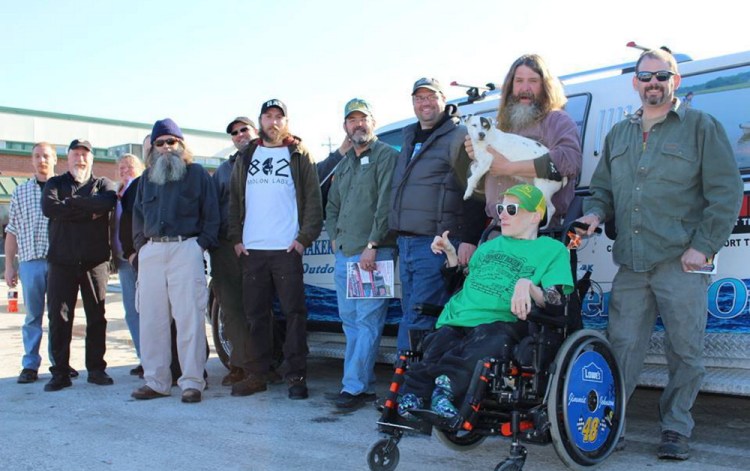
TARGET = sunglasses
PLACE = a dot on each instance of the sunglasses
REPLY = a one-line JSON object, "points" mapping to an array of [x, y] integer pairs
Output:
{"points": [[661, 76], [235, 132], [169, 142], [512, 209]]}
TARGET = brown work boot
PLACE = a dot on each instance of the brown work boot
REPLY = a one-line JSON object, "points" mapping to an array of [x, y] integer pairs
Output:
{"points": [[250, 385], [235, 375]]}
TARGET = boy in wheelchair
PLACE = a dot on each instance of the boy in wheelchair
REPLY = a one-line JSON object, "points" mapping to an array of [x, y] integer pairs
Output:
{"points": [[508, 276]]}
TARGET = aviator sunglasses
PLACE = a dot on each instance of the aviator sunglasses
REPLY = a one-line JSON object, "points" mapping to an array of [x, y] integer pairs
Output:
{"points": [[169, 142], [661, 75], [512, 208], [237, 131]]}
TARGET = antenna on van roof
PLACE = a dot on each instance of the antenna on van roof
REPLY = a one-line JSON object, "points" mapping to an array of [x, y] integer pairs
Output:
{"points": [[644, 48], [472, 91]]}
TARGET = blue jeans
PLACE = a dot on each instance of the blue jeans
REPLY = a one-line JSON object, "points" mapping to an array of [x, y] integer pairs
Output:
{"points": [[33, 275], [421, 282], [362, 321], [128, 276]]}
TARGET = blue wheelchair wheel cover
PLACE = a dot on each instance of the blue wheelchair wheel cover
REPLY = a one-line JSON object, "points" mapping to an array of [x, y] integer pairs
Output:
{"points": [[590, 401]]}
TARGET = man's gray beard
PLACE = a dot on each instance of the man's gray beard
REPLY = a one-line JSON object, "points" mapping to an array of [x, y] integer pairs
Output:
{"points": [[520, 115], [168, 167], [80, 175], [360, 138]]}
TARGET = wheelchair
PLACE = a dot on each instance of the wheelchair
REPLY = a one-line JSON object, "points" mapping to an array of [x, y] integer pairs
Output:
{"points": [[562, 385]]}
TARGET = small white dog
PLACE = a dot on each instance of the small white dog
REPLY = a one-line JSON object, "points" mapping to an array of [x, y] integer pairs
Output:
{"points": [[514, 147]]}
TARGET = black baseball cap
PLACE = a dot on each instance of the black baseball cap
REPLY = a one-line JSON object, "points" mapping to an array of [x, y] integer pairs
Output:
{"points": [[273, 103], [80, 143]]}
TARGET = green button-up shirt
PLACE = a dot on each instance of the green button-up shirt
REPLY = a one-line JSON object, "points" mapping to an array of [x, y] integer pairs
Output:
{"points": [[357, 209], [679, 189]]}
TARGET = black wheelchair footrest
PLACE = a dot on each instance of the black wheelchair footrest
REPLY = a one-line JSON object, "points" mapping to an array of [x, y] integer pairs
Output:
{"points": [[400, 424], [437, 420]]}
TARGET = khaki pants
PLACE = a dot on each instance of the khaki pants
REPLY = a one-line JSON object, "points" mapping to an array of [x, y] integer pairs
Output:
{"points": [[172, 285]]}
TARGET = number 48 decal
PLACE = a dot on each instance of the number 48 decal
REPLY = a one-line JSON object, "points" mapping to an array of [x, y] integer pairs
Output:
{"points": [[590, 430]]}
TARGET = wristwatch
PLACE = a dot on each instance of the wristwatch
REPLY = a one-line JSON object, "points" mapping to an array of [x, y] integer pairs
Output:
{"points": [[372, 246]]}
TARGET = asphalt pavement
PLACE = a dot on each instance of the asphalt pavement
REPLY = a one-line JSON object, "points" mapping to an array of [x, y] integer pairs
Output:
{"points": [[89, 427]]}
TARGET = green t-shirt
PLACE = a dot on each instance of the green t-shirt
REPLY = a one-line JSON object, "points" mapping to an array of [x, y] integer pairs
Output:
{"points": [[495, 268]]}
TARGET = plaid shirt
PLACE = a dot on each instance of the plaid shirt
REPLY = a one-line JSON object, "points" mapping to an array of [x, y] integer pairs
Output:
{"points": [[27, 222]]}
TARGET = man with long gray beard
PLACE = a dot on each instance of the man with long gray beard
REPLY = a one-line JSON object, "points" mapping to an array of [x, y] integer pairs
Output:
{"points": [[532, 106], [78, 205], [175, 218], [274, 213]]}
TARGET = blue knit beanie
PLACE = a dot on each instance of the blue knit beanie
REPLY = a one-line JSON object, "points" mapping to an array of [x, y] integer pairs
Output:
{"points": [[165, 127]]}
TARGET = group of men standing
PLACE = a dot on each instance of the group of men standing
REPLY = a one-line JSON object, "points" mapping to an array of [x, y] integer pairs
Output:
{"points": [[264, 207]]}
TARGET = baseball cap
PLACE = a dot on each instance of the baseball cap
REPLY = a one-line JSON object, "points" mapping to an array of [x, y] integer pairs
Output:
{"points": [[530, 197], [80, 143], [357, 104], [243, 120], [273, 103], [428, 83]]}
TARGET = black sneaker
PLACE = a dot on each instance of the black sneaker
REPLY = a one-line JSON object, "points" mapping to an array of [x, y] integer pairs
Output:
{"points": [[100, 378], [297, 388], [349, 401], [674, 446], [137, 371], [57, 383], [73, 373], [27, 376]]}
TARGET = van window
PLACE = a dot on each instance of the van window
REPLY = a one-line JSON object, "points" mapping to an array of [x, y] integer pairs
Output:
{"points": [[393, 138], [721, 93], [578, 109]]}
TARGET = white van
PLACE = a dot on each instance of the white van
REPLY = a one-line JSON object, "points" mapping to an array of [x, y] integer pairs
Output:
{"points": [[598, 99]]}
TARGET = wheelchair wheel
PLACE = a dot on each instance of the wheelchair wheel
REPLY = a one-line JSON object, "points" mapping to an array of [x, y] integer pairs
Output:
{"points": [[460, 440], [586, 400], [383, 455]]}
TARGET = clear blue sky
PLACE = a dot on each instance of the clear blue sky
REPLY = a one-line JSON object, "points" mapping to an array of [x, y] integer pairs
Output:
{"points": [[203, 63]]}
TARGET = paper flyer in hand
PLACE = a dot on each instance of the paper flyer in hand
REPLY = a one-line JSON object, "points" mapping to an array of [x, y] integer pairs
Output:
{"points": [[363, 284], [710, 267]]}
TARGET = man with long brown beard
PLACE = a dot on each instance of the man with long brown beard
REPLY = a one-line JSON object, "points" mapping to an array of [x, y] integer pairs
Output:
{"points": [[175, 218], [275, 212], [532, 106]]}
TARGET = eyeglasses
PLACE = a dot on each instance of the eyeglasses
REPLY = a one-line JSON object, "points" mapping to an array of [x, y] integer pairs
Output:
{"points": [[235, 132], [511, 208], [358, 120], [661, 76], [425, 98], [169, 142]]}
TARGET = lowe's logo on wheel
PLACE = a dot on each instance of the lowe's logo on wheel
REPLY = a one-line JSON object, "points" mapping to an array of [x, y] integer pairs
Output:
{"points": [[592, 373]]}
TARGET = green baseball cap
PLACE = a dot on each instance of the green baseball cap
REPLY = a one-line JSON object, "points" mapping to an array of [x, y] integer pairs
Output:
{"points": [[530, 197], [357, 104]]}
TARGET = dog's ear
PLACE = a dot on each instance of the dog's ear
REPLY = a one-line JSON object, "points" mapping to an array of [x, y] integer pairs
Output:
{"points": [[486, 123]]}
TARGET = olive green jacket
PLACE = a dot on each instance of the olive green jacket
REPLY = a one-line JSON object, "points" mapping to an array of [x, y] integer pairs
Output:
{"points": [[358, 201], [681, 189]]}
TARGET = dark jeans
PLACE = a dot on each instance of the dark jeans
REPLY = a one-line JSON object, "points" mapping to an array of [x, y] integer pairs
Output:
{"points": [[63, 283], [265, 272], [454, 351]]}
